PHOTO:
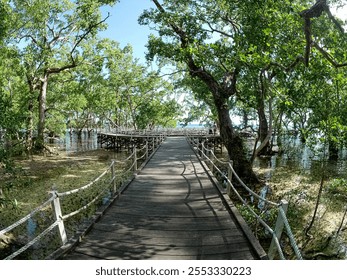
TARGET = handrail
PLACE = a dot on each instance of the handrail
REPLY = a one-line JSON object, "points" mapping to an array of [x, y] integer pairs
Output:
{"points": [[237, 177], [88, 185], [27, 217], [55, 205], [281, 219]]}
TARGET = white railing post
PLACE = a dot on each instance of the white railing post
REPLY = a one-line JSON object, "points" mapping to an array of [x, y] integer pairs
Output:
{"points": [[230, 176], [59, 217], [113, 174], [278, 230]]}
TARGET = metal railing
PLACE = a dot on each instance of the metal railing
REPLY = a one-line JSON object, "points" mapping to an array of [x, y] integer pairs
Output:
{"points": [[282, 223], [100, 193]]}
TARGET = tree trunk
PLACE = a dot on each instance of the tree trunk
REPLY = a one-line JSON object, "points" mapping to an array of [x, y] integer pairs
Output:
{"points": [[333, 151], [263, 130], [132, 111], [221, 92], [30, 117], [236, 150], [30, 125], [39, 144], [264, 133]]}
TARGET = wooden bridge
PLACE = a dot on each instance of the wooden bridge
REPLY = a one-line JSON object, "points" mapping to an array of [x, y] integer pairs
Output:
{"points": [[171, 210]]}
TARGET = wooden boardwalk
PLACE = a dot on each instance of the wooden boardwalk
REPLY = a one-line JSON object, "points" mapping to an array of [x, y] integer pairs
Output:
{"points": [[171, 210]]}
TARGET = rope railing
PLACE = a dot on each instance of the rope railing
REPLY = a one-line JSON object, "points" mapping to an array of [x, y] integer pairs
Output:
{"points": [[27, 217], [282, 221], [109, 187]]}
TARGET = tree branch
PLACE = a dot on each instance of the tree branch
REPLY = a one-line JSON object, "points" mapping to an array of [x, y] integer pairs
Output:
{"points": [[328, 57], [287, 69], [194, 69], [212, 29], [314, 12], [30, 37], [337, 24], [56, 70]]}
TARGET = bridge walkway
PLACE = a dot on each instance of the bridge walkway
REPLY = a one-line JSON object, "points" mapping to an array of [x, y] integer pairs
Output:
{"points": [[171, 210]]}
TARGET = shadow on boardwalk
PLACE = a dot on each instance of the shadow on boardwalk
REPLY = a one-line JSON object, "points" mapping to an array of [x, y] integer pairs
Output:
{"points": [[171, 210]]}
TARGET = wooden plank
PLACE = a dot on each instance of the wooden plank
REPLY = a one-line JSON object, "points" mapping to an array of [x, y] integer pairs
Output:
{"points": [[165, 226], [119, 250], [146, 236]]}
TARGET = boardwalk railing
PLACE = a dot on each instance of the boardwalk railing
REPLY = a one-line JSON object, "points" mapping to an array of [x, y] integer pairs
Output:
{"points": [[216, 165], [93, 198], [160, 131]]}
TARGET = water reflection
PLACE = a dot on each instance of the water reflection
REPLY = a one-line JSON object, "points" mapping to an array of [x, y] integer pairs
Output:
{"points": [[302, 158], [77, 142]]}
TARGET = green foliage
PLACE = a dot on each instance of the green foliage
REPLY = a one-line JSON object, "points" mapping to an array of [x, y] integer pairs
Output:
{"points": [[88, 81], [269, 216], [337, 188], [4, 10]]}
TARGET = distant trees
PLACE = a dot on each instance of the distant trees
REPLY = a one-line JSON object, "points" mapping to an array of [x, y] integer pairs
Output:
{"points": [[56, 73], [52, 34]]}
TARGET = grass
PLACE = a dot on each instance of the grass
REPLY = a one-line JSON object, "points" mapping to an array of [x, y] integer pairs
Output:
{"points": [[300, 188], [33, 180], [30, 183]]}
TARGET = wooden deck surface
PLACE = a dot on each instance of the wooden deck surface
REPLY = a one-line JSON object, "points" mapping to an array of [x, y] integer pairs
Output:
{"points": [[171, 210]]}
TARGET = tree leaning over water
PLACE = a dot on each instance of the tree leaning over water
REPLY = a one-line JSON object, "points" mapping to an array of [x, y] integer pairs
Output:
{"points": [[243, 51], [209, 38], [187, 45]]}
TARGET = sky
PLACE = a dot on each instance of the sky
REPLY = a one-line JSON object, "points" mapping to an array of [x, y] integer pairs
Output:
{"points": [[124, 27]]}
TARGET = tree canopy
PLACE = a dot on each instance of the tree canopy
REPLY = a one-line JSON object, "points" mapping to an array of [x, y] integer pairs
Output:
{"points": [[57, 73], [277, 63]]}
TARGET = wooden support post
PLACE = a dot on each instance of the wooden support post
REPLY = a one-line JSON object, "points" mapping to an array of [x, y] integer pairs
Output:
{"points": [[278, 230], [200, 149], [230, 176], [59, 217], [113, 174], [214, 144], [210, 156], [147, 149], [135, 158]]}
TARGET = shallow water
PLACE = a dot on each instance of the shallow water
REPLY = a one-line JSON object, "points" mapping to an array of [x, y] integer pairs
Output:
{"points": [[303, 160], [72, 142]]}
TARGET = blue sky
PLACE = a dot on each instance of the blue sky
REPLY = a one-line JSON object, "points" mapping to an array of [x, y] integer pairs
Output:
{"points": [[124, 28]]}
